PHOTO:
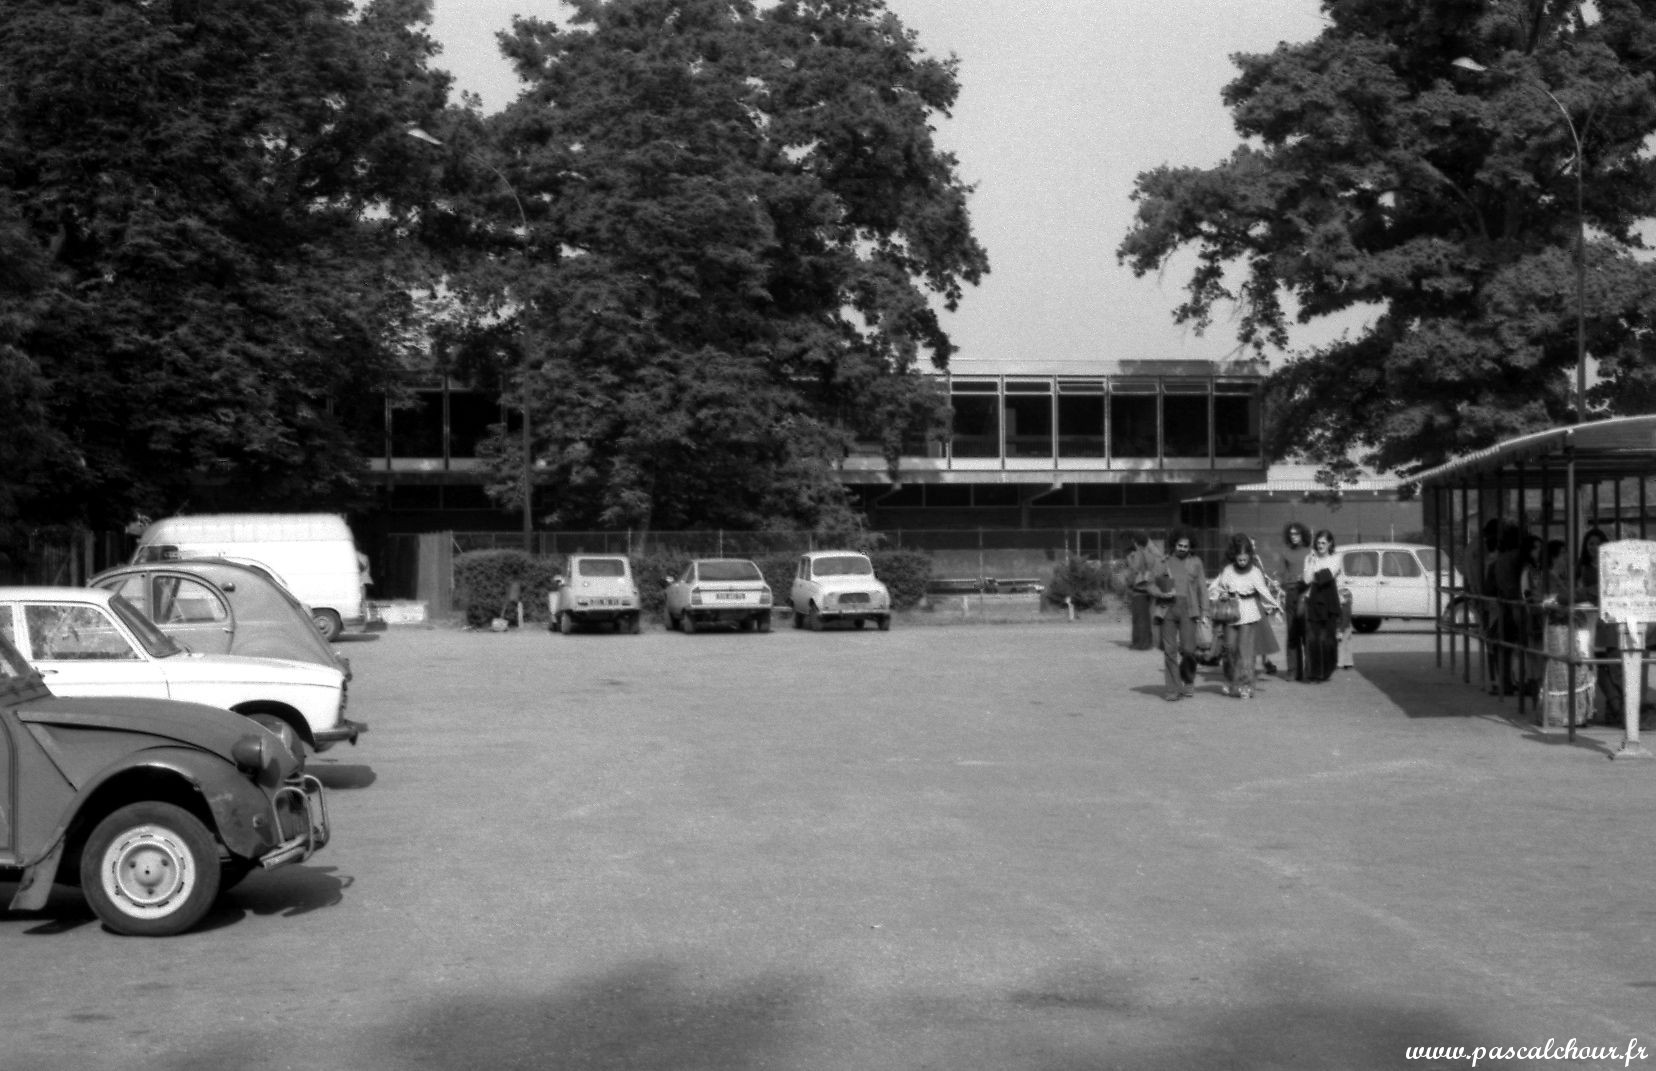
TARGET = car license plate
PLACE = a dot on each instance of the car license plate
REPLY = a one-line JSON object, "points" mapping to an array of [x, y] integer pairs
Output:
{"points": [[729, 595]]}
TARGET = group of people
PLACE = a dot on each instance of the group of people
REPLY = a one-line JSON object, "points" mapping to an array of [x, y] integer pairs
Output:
{"points": [[1514, 577], [1176, 607]]}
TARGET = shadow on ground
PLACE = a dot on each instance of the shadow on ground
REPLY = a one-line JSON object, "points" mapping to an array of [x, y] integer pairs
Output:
{"points": [[667, 1016]]}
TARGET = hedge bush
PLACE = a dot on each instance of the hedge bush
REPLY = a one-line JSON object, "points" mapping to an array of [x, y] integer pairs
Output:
{"points": [[906, 573], [1084, 582], [484, 578]]}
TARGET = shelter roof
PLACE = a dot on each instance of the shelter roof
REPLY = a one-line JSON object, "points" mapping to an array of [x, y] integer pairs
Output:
{"points": [[1604, 449]]}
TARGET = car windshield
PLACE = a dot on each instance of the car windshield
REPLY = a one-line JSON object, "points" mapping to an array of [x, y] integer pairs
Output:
{"points": [[714, 571], [1428, 558], [156, 642], [600, 567], [843, 565]]}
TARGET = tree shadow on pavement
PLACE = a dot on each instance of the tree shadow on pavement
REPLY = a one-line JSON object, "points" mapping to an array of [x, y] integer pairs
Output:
{"points": [[657, 1016]]}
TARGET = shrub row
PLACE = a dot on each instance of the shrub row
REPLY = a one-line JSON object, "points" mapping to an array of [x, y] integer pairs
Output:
{"points": [[484, 579]]}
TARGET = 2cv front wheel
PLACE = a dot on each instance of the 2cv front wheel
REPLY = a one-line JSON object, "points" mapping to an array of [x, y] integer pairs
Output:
{"points": [[150, 869]]}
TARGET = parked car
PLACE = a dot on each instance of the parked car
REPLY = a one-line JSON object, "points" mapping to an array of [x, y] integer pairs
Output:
{"points": [[153, 807], [719, 591], [215, 606], [1395, 580], [838, 585], [90, 642], [598, 589]]}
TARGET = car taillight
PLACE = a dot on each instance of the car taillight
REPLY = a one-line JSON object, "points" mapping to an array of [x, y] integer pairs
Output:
{"points": [[765, 597], [695, 597]]}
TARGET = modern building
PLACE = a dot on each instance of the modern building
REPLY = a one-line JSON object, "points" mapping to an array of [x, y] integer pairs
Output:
{"points": [[1125, 444]]}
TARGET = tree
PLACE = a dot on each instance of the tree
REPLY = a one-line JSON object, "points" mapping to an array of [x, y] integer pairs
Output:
{"points": [[206, 197], [739, 221], [1377, 176]]}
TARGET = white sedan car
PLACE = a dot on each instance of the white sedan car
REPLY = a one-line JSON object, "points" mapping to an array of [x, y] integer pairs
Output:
{"points": [[719, 590], [86, 642]]}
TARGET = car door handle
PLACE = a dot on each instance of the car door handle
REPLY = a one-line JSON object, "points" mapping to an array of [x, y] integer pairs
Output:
{"points": [[47, 672]]}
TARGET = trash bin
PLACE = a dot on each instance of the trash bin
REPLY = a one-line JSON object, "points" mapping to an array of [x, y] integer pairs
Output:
{"points": [[1576, 627]]}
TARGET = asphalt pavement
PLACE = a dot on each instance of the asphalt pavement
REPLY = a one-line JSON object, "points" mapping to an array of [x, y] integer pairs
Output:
{"points": [[939, 847]]}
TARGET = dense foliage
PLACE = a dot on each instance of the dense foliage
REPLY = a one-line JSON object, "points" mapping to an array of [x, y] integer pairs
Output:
{"points": [[735, 220], [1379, 177], [197, 255]]}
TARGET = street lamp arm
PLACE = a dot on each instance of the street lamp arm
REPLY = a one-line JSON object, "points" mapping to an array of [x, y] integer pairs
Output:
{"points": [[420, 135]]}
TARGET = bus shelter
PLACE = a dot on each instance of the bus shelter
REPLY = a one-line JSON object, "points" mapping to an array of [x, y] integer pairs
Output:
{"points": [[1558, 487]]}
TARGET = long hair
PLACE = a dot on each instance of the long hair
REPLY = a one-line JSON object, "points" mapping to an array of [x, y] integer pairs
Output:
{"points": [[1239, 544], [1304, 533], [1589, 549], [1323, 533]]}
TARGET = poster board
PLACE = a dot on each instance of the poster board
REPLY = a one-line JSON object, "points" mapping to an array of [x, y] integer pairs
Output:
{"points": [[1627, 581]]}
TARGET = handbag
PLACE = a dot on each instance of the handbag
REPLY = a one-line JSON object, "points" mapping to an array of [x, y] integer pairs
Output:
{"points": [[1227, 610]]}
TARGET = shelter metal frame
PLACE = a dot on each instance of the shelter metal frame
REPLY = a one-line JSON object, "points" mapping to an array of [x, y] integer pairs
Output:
{"points": [[1520, 481]]}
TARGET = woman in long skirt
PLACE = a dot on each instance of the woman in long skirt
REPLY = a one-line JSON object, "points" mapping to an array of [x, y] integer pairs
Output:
{"points": [[1243, 580], [1325, 580]]}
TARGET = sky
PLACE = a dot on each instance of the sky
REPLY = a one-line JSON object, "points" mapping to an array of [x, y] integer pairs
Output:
{"points": [[1062, 104]]}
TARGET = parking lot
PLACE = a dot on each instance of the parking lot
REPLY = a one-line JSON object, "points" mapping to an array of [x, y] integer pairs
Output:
{"points": [[938, 847]]}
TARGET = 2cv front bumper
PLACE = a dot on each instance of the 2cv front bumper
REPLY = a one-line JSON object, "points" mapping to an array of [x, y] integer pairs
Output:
{"points": [[300, 810]]}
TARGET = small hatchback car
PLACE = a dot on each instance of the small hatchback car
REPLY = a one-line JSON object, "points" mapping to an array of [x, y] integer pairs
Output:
{"points": [[1395, 580], [153, 807], [598, 590], [719, 590], [838, 585]]}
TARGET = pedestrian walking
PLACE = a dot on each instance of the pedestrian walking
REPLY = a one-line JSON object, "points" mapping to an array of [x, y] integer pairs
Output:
{"points": [[1180, 594], [1325, 581], [1290, 573], [1243, 582]]}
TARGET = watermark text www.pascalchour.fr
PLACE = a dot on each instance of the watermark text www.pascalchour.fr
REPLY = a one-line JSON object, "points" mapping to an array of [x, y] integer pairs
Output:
{"points": [[1618, 1055]]}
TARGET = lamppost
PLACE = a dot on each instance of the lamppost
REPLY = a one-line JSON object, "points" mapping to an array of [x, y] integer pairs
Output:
{"points": [[1466, 63], [523, 374]]}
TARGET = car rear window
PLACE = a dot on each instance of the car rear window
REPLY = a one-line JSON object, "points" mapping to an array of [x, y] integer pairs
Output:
{"points": [[844, 565], [601, 567], [728, 571]]}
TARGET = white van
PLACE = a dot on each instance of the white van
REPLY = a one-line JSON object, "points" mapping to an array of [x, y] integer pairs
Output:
{"points": [[312, 554]]}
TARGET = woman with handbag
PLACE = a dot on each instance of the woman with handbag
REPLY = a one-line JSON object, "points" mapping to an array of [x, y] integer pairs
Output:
{"points": [[1240, 596]]}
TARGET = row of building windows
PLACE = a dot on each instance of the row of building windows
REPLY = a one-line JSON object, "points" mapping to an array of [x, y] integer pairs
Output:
{"points": [[1137, 419], [1141, 420]]}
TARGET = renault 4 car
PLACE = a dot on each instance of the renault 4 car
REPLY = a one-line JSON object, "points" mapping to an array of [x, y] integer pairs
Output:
{"points": [[719, 591], [597, 589], [1396, 580], [838, 585], [153, 807]]}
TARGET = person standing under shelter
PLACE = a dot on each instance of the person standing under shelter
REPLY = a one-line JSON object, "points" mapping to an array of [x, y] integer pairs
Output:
{"points": [[1181, 595]]}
